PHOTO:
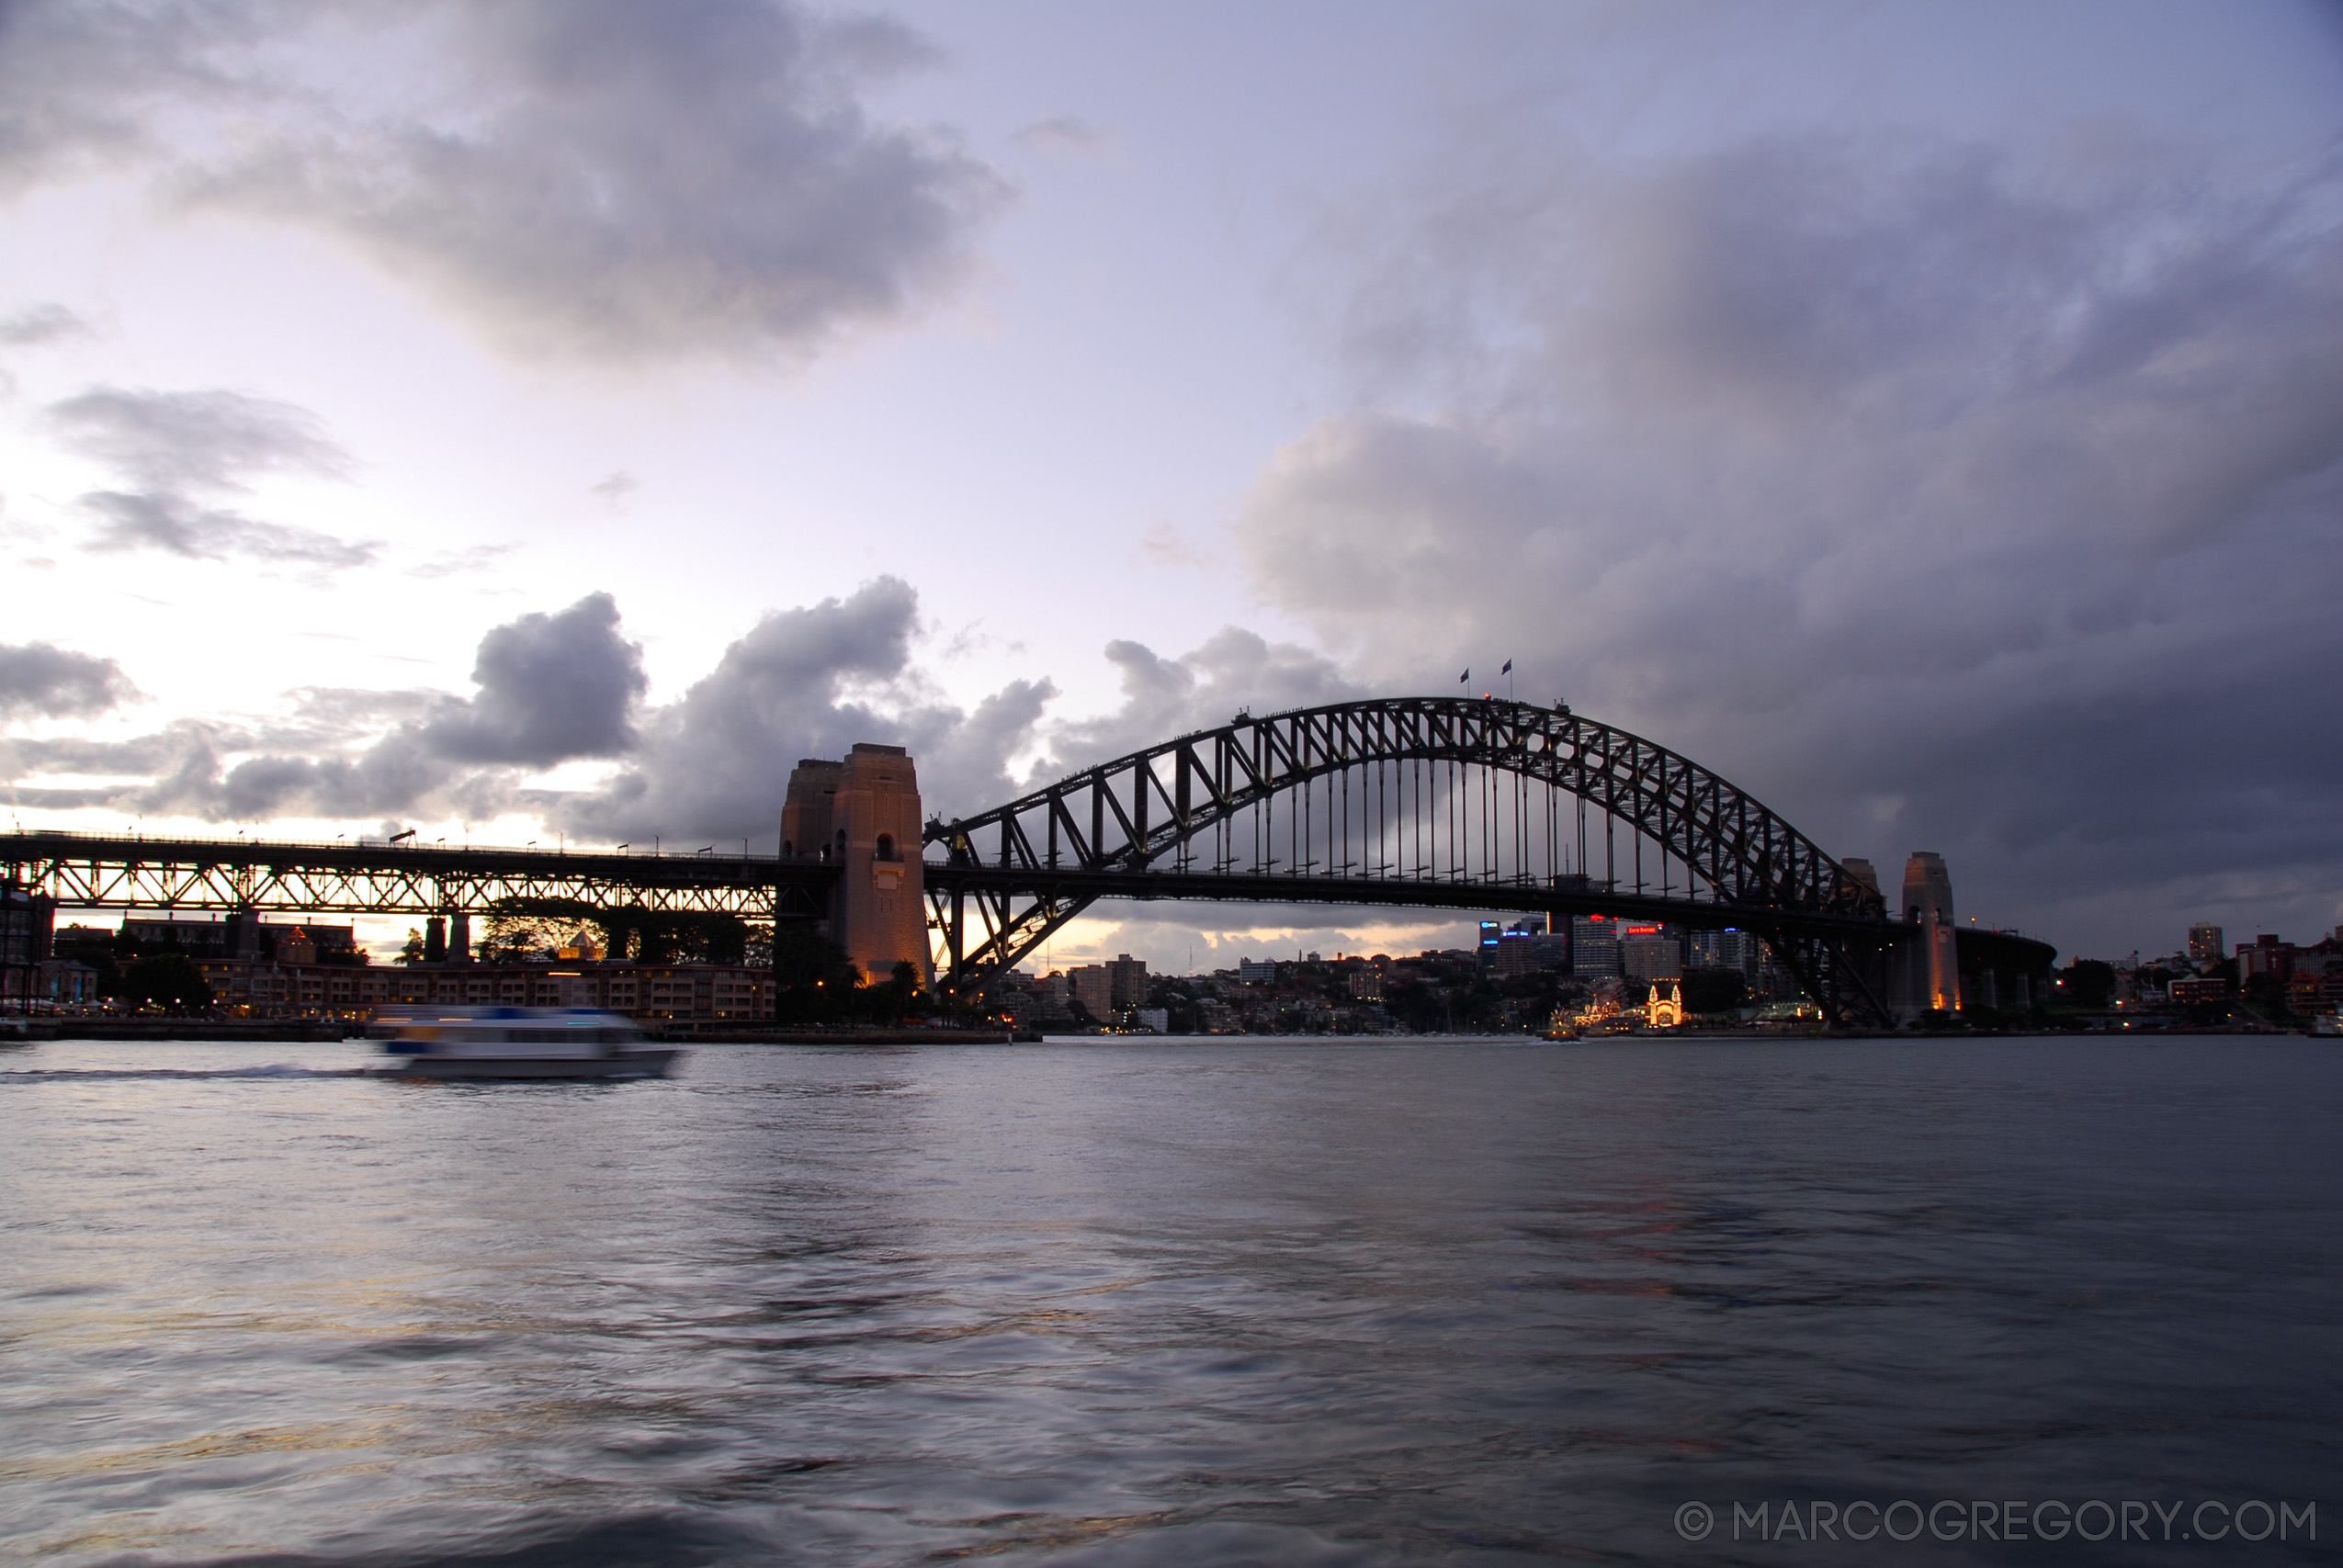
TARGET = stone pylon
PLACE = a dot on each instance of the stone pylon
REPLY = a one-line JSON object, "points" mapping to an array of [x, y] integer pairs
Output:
{"points": [[864, 814]]}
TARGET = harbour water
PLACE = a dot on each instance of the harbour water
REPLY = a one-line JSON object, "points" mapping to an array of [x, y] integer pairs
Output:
{"points": [[1123, 1303]]}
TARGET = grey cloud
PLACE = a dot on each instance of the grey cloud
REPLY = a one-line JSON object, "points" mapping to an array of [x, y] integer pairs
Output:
{"points": [[182, 448], [83, 84], [802, 683], [1908, 474], [167, 523], [1066, 133], [392, 775], [38, 679], [1234, 669], [812, 681], [551, 687], [338, 712], [612, 181], [463, 562], [197, 441], [39, 324], [808, 682]]}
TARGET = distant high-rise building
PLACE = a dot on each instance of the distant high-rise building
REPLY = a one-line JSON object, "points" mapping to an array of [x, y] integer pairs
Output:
{"points": [[1126, 982], [1093, 989], [1650, 952], [1594, 946], [1256, 972], [1522, 948], [1927, 903], [1735, 950], [2205, 944]]}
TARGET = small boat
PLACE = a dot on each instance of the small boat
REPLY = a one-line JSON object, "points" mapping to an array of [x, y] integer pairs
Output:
{"points": [[520, 1043]]}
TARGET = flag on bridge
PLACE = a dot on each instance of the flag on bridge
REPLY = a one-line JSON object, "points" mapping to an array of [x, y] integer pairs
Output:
{"points": [[1465, 676], [1509, 667]]}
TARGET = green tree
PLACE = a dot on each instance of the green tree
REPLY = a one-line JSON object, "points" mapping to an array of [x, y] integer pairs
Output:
{"points": [[172, 981], [2086, 983], [903, 988], [1711, 991], [816, 982]]}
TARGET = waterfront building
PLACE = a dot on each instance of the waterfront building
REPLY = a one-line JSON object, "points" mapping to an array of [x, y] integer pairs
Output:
{"points": [[2192, 989], [26, 921], [662, 992], [2205, 944]]}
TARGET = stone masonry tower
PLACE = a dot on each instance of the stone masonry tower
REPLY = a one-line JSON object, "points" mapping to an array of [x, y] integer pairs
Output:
{"points": [[864, 814], [1935, 971]]}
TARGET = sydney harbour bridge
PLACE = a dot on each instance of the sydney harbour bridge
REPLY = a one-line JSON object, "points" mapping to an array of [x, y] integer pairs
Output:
{"points": [[1464, 804]]}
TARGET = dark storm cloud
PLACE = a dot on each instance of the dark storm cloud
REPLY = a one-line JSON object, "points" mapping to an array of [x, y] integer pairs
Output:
{"points": [[181, 449], [39, 680], [1941, 501], [83, 84], [593, 178], [610, 180]]}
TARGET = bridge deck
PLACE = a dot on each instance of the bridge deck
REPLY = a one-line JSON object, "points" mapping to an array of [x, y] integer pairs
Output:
{"points": [[95, 871]]}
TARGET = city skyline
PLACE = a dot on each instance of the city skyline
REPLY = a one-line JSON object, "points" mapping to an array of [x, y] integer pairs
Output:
{"points": [[1931, 423]]}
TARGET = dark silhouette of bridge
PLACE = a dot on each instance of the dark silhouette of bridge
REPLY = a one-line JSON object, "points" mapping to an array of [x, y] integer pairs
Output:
{"points": [[1426, 802], [1420, 802]]}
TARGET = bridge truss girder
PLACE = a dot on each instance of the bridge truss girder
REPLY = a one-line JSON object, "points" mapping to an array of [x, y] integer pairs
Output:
{"points": [[1102, 832], [108, 872]]}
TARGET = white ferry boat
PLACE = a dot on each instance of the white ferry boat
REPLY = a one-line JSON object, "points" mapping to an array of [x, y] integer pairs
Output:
{"points": [[520, 1043]]}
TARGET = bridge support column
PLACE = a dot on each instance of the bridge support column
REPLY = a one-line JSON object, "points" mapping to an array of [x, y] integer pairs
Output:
{"points": [[863, 815]]}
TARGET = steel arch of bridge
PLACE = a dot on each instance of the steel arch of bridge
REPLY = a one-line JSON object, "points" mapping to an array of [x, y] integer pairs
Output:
{"points": [[1130, 828]]}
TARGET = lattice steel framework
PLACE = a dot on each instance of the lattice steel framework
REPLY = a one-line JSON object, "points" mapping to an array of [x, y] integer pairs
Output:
{"points": [[1412, 800], [112, 872]]}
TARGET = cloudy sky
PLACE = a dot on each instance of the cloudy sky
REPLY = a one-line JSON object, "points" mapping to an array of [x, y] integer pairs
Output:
{"points": [[514, 418]]}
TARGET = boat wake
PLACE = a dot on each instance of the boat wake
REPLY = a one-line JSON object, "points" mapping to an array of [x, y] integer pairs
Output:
{"points": [[277, 1070]]}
